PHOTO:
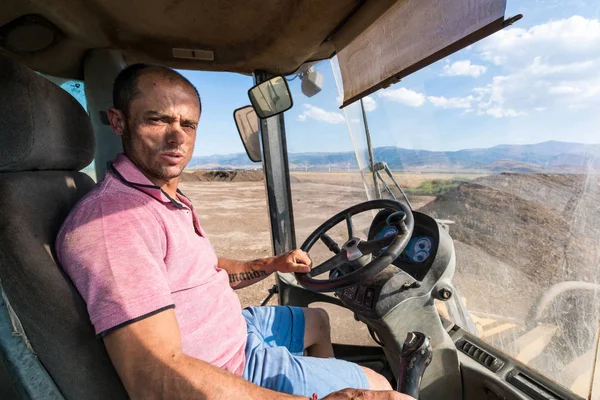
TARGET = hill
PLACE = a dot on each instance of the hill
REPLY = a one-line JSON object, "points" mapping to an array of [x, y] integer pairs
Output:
{"points": [[544, 225], [549, 156]]}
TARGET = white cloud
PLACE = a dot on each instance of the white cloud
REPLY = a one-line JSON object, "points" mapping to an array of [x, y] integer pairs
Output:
{"points": [[318, 114], [404, 96], [464, 68], [565, 89], [370, 104], [563, 39], [555, 65], [499, 112], [539, 68], [453, 102], [491, 99]]}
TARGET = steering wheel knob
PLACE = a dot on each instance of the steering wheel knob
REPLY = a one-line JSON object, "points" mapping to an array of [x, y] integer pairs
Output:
{"points": [[397, 219], [353, 253]]}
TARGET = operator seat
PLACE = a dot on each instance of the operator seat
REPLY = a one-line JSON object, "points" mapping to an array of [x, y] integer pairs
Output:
{"points": [[48, 348]]}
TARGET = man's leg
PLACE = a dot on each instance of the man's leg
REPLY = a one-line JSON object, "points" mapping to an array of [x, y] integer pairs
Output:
{"points": [[317, 341], [274, 355], [317, 333], [376, 381], [277, 369]]}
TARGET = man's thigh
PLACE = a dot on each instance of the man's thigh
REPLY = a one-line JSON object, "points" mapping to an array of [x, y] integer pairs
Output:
{"points": [[277, 369], [274, 360], [276, 326]]}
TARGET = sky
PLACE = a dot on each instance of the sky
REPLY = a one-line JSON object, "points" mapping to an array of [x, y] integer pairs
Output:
{"points": [[538, 80]]}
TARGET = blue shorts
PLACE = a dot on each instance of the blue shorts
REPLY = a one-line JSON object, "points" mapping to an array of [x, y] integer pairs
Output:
{"points": [[274, 356]]}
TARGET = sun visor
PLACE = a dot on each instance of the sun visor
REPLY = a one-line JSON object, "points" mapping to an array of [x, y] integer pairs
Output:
{"points": [[411, 35]]}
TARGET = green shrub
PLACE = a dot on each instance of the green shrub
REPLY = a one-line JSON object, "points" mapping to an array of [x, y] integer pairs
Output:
{"points": [[435, 187]]}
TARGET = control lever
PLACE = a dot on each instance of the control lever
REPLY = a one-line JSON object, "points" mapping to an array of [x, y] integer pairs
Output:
{"points": [[397, 219], [414, 359]]}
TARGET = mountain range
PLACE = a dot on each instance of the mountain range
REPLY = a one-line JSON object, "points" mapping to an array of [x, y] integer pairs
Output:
{"points": [[550, 156]]}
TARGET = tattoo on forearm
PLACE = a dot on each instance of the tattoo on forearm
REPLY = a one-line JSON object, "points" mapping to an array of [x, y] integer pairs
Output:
{"points": [[246, 276]]}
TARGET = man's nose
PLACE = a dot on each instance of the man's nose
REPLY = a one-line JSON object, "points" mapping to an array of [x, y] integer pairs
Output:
{"points": [[175, 134]]}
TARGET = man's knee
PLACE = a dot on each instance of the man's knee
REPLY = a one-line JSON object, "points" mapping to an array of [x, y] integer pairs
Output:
{"points": [[376, 381], [324, 324], [320, 321], [317, 329]]}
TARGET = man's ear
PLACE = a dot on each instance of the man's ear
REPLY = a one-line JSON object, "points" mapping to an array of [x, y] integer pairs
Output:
{"points": [[117, 121]]}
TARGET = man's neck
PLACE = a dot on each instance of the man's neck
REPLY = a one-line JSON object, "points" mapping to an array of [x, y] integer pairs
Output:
{"points": [[170, 187]]}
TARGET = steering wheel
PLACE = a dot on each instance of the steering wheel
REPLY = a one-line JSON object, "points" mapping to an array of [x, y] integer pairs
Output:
{"points": [[355, 248]]}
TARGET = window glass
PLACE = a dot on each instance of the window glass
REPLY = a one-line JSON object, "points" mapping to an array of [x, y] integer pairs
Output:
{"points": [[500, 142], [77, 90], [326, 174]]}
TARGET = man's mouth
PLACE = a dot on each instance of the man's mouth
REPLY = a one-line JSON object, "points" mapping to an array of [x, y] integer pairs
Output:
{"points": [[173, 157]]}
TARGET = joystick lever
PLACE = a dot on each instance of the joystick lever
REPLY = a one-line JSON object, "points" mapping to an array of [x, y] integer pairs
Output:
{"points": [[415, 357]]}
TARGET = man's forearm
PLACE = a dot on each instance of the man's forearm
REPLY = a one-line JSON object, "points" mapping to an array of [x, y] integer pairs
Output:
{"points": [[189, 377], [242, 274], [148, 357]]}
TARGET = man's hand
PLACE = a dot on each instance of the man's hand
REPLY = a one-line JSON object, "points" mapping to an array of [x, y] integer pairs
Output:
{"points": [[293, 261], [352, 394], [243, 274]]}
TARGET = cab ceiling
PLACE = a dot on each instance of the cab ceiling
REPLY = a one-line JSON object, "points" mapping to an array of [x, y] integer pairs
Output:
{"points": [[244, 35]]}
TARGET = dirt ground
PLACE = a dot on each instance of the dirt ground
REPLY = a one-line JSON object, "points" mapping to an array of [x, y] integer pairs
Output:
{"points": [[406, 180]]}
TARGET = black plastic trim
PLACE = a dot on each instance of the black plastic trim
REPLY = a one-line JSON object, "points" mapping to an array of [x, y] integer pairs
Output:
{"points": [[484, 358], [531, 387]]}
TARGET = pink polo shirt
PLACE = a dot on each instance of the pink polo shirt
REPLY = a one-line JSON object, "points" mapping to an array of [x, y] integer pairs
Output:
{"points": [[132, 251]]}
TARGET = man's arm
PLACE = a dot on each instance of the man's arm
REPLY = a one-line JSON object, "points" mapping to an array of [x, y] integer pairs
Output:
{"points": [[149, 360], [242, 274], [148, 357]]}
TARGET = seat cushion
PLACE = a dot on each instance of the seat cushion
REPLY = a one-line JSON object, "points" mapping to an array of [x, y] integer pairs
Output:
{"points": [[33, 205]]}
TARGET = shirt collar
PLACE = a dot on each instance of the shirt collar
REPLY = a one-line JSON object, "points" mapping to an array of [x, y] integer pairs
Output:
{"points": [[127, 172]]}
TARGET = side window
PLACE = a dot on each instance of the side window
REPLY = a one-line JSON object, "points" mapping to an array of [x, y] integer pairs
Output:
{"points": [[74, 87], [77, 90]]}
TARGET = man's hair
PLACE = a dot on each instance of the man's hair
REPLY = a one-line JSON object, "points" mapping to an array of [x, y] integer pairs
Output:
{"points": [[125, 88]]}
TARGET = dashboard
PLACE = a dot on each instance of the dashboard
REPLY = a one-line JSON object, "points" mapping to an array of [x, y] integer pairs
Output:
{"points": [[419, 254], [418, 248], [426, 258]]}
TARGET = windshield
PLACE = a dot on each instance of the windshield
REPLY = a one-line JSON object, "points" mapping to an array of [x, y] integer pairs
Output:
{"points": [[499, 140]]}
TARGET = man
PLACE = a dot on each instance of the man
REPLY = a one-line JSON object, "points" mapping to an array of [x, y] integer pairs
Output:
{"points": [[157, 294]]}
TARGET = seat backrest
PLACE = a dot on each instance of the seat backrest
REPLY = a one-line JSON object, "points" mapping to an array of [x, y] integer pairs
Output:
{"points": [[47, 343]]}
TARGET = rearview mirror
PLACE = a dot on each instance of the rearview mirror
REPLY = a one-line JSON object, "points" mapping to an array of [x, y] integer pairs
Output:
{"points": [[247, 126], [271, 97]]}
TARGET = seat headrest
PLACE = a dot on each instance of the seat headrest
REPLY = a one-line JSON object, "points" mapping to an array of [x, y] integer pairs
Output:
{"points": [[42, 127]]}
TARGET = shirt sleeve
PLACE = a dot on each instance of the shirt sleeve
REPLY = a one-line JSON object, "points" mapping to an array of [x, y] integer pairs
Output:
{"points": [[113, 251]]}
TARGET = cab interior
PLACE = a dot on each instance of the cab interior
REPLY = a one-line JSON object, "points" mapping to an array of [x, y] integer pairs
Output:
{"points": [[47, 345]]}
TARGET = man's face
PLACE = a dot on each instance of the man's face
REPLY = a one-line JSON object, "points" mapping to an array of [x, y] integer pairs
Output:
{"points": [[160, 129]]}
